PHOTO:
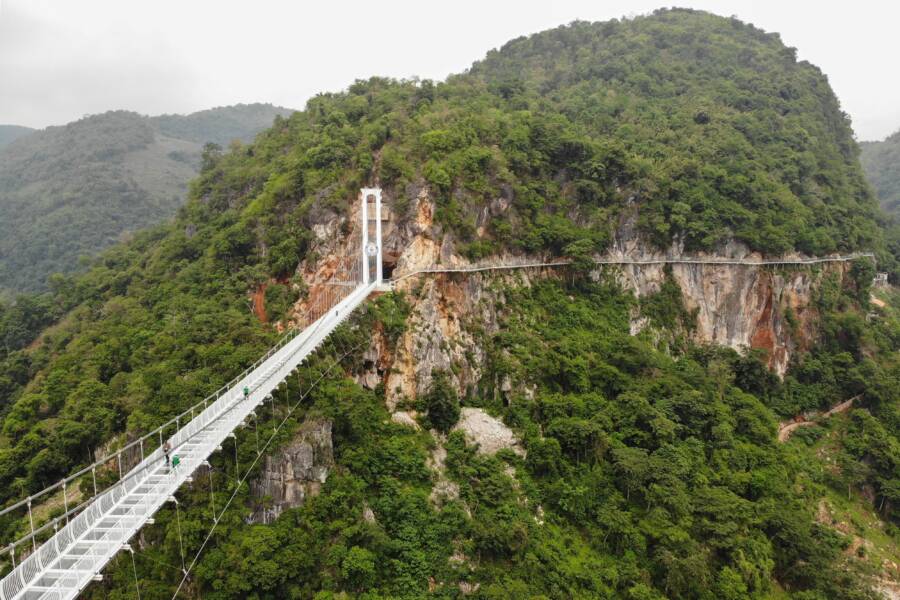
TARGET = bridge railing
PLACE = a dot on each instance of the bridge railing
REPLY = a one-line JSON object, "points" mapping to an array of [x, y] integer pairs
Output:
{"points": [[115, 467], [527, 262], [221, 416], [282, 357]]}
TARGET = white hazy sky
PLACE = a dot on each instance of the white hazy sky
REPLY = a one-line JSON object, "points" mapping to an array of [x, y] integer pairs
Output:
{"points": [[62, 59]]}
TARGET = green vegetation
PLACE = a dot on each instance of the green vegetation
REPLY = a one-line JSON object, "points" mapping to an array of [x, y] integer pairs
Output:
{"points": [[441, 403], [652, 469], [221, 125], [707, 122], [657, 476], [881, 162], [71, 191]]}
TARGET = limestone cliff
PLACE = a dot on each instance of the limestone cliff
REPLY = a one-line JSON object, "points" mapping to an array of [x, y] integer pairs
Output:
{"points": [[294, 473], [739, 306]]}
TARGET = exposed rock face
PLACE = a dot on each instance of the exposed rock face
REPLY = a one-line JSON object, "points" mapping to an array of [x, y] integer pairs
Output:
{"points": [[402, 417], [489, 433], [295, 473], [737, 306], [438, 336], [443, 490]]}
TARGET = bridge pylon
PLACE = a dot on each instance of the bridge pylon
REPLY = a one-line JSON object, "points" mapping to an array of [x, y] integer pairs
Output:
{"points": [[370, 213]]}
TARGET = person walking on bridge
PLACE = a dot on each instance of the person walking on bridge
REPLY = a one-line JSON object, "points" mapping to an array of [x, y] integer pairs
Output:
{"points": [[167, 447]]}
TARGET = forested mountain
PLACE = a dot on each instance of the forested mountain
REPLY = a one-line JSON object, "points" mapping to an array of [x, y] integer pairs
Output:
{"points": [[645, 463], [73, 190], [220, 125], [10, 133], [881, 161]]}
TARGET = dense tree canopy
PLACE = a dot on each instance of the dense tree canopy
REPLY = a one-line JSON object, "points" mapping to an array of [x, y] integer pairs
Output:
{"points": [[10, 133], [652, 469]]}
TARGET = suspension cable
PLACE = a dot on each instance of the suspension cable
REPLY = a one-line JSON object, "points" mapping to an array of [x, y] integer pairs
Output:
{"points": [[180, 539], [237, 467], [250, 469], [212, 495], [137, 585]]}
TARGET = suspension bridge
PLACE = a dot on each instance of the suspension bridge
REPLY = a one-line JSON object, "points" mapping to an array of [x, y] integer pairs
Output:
{"points": [[59, 558], [87, 536]]}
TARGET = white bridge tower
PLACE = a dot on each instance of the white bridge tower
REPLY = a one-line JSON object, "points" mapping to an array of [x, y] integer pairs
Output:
{"points": [[371, 248]]}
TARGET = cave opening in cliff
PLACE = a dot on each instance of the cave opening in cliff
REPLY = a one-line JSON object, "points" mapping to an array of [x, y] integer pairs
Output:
{"points": [[388, 263]]}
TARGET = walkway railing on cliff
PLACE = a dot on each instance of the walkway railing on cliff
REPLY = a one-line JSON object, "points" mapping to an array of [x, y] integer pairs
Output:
{"points": [[536, 264]]}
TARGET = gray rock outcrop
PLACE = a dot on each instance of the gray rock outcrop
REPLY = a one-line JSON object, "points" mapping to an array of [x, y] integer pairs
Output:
{"points": [[295, 473]]}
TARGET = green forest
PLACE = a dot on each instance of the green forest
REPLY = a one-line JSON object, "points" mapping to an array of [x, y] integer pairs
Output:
{"points": [[881, 162], [68, 192], [652, 469]]}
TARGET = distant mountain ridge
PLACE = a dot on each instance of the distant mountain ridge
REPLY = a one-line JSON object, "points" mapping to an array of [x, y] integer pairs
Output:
{"points": [[222, 124], [73, 190], [881, 162], [10, 133]]}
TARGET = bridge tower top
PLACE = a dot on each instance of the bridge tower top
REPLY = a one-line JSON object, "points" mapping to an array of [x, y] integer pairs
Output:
{"points": [[370, 212]]}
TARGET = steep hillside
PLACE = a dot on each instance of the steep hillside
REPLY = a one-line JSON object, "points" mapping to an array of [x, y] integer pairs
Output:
{"points": [[74, 190], [723, 132], [10, 133], [881, 161], [574, 433]]}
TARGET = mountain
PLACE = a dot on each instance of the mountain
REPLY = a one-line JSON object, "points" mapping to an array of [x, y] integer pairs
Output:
{"points": [[73, 190], [10, 133], [220, 125], [881, 161], [587, 432]]}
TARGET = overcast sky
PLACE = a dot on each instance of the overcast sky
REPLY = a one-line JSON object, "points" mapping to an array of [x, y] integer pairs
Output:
{"points": [[62, 59]]}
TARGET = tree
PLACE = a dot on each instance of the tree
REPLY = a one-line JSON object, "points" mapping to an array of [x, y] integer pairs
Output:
{"points": [[358, 568], [730, 585], [210, 156], [633, 466], [442, 402]]}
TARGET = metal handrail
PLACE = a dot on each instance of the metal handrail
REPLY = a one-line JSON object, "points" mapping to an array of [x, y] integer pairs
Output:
{"points": [[154, 433], [634, 261], [338, 280]]}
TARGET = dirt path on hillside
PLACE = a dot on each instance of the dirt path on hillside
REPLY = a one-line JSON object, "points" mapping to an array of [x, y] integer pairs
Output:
{"points": [[259, 303], [787, 428]]}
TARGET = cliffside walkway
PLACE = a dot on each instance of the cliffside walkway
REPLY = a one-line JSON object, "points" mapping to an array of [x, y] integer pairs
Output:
{"points": [[743, 262]]}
